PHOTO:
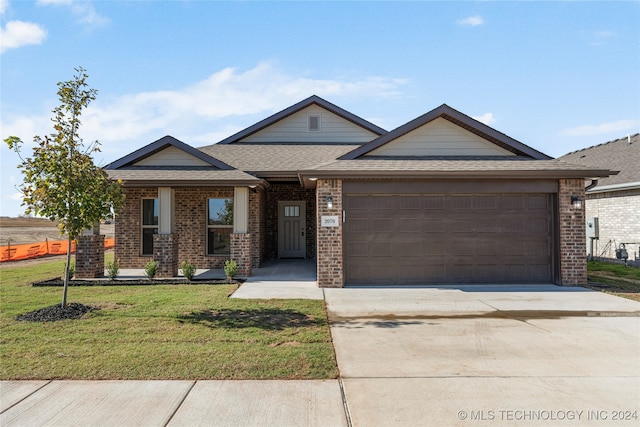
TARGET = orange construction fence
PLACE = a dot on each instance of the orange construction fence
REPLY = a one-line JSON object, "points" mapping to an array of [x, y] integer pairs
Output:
{"points": [[35, 250]]}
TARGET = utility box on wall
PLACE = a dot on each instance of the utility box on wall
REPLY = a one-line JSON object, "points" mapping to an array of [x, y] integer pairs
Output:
{"points": [[593, 228]]}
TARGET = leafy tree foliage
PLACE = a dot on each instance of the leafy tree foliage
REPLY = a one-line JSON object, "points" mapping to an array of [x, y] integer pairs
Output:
{"points": [[61, 181]]}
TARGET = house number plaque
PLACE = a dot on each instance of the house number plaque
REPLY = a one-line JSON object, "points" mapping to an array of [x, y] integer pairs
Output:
{"points": [[330, 220]]}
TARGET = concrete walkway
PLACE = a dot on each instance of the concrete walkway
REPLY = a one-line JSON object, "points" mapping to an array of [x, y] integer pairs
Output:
{"points": [[429, 356], [282, 279], [172, 403]]}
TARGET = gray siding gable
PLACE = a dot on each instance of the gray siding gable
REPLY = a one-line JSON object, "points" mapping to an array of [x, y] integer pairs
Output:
{"points": [[161, 144], [456, 117], [312, 100]]}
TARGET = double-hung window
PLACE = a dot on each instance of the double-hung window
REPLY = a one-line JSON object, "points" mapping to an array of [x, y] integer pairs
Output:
{"points": [[219, 226], [149, 224]]}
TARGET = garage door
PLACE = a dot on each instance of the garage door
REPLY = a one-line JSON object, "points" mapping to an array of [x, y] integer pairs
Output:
{"points": [[431, 238]]}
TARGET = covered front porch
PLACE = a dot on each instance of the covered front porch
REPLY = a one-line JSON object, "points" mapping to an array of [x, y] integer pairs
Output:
{"points": [[275, 279]]}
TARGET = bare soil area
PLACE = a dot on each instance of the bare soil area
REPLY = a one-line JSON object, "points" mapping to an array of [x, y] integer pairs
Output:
{"points": [[23, 231]]}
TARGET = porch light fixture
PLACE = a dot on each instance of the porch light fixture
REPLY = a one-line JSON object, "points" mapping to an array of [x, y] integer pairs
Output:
{"points": [[329, 200], [313, 179], [576, 202]]}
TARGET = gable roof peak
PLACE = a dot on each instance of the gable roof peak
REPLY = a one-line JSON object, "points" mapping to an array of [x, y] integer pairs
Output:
{"points": [[456, 117], [313, 99], [161, 144]]}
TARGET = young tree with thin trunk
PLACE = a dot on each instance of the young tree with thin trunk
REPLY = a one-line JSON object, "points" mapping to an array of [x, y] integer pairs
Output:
{"points": [[61, 182]]}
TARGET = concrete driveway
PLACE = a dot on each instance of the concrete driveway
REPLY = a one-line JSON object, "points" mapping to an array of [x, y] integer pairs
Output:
{"points": [[487, 355]]}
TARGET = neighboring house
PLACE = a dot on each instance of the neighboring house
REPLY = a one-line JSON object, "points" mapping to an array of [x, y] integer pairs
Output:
{"points": [[441, 199], [615, 200]]}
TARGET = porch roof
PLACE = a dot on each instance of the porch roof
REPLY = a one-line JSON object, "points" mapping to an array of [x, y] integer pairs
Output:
{"points": [[183, 176]]}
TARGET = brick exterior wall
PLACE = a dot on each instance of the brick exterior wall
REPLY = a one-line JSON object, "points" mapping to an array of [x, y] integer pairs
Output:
{"points": [[329, 259], [258, 226], [573, 258], [90, 256], [127, 231], [619, 217], [241, 252], [165, 251], [190, 222], [189, 226], [278, 192]]}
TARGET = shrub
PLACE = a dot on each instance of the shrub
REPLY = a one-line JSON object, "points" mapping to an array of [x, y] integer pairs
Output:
{"points": [[150, 269], [188, 270], [230, 268], [113, 268]]}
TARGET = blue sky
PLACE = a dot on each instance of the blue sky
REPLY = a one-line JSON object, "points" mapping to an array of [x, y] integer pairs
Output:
{"points": [[557, 76]]}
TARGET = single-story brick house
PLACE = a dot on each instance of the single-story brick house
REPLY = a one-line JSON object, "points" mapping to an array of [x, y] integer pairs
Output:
{"points": [[613, 203], [441, 199]]}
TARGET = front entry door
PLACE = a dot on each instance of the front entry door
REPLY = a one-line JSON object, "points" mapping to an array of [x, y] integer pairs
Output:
{"points": [[292, 241]]}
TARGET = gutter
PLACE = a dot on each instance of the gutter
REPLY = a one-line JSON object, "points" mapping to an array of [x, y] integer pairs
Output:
{"points": [[616, 187]]}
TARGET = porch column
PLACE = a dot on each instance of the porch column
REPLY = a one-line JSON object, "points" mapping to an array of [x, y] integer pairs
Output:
{"points": [[241, 238], [573, 255], [165, 243], [90, 254], [329, 237]]}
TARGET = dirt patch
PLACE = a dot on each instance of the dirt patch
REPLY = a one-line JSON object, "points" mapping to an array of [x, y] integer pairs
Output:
{"points": [[56, 312]]}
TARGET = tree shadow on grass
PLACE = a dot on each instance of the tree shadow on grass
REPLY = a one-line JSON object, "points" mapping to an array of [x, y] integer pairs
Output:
{"points": [[265, 318]]}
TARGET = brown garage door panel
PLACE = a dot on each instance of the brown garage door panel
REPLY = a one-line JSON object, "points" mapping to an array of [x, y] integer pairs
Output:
{"points": [[436, 238]]}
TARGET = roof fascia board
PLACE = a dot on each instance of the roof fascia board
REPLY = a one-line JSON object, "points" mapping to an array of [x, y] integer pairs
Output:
{"points": [[161, 144], [512, 174], [314, 99], [195, 183], [459, 118]]}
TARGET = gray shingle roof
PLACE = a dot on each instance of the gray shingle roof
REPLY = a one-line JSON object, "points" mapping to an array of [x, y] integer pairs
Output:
{"points": [[182, 176], [450, 167], [266, 159], [620, 155]]}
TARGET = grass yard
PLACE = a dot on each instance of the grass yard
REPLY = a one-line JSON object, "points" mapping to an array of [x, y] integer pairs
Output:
{"points": [[159, 332], [615, 279]]}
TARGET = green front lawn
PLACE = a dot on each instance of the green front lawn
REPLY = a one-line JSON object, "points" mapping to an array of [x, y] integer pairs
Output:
{"points": [[159, 332], [615, 279]]}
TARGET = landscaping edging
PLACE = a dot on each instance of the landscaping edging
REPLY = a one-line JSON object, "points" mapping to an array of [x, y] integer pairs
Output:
{"points": [[58, 282]]}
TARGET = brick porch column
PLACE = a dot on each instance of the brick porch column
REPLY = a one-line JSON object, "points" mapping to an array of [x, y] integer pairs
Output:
{"points": [[329, 239], [90, 256], [573, 256], [241, 252], [165, 252]]}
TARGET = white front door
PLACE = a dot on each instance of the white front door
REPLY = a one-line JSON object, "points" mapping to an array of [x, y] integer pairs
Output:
{"points": [[292, 241]]}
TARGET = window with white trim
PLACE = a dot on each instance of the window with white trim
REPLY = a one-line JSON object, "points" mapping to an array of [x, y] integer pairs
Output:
{"points": [[219, 226], [149, 224]]}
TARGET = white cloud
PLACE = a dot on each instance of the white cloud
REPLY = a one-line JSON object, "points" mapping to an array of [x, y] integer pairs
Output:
{"points": [[225, 94], [486, 118], [84, 11], [201, 113], [603, 128], [4, 4], [471, 21], [20, 33]]}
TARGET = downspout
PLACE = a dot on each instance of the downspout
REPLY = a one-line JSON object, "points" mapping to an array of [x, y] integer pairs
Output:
{"points": [[594, 182]]}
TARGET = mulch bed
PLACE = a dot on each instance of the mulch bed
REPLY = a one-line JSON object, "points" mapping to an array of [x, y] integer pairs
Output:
{"points": [[145, 282], [57, 312]]}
